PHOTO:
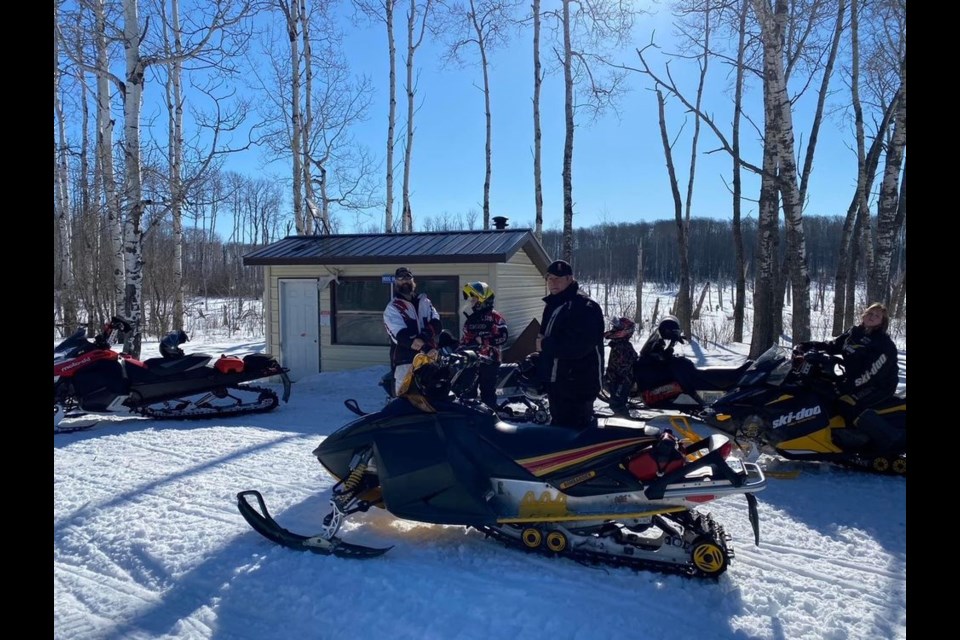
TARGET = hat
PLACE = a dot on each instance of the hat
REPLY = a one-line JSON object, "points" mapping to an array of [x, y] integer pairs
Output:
{"points": [[560, 268], [402, 272]]}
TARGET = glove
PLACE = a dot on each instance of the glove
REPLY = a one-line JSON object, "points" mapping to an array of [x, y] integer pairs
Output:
{"points": [[817, 357], [446, 340], [803, 347]]}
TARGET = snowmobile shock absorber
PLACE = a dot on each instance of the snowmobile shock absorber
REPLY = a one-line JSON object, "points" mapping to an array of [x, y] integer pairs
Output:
{"points": [[354, 478]]}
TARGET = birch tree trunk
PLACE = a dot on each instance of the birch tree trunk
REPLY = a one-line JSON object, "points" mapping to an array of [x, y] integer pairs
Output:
{"points": [[413, 43], [64, 288], [392, 116], [878, 289], [291, 13], [133, 186], [683, 303], [567, 251], [780, 141], [104, 152], [537, 136], [174, 92], [740, 298], [488, 121], [318, 212], [638, 313]]}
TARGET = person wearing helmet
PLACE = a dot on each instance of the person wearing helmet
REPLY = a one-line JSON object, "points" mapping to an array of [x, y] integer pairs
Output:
{"points": [[571, 348], [413, 325], [486, 330], [619, 374]]}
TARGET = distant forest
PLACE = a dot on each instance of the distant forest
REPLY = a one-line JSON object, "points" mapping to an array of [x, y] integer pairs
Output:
{"points": [[602, 253]]}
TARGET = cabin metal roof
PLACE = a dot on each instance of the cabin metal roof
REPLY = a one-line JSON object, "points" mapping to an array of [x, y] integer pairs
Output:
{"points": [[494, 245]]}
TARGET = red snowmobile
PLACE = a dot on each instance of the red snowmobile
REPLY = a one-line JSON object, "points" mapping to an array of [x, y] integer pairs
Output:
{"points": [[89, 378]]}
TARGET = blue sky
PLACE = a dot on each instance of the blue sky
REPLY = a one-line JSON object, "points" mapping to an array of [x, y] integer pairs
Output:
{"points": [[619, 167]]}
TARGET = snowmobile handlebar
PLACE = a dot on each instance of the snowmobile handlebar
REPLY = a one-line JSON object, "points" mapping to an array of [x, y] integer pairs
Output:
{"points": [[463, 356], [815, 362]]}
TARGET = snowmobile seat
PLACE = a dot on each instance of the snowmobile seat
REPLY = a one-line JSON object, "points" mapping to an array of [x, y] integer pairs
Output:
{"points": [[715, 377], [166, 366]]}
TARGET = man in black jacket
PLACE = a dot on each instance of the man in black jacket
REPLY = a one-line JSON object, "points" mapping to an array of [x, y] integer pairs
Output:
{"points": [[571, 348]]}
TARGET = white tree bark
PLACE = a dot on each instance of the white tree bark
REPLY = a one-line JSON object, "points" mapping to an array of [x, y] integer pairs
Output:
{"points": [[64, 293]]}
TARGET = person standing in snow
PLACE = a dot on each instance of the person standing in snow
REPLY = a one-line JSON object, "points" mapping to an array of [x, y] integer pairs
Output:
{"points": [[485, 329], [412, 323], [571, 348], [618, 376]]}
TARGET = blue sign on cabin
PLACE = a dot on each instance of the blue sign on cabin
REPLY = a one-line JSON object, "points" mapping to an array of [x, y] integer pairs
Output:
{"points": [[386, 279]]}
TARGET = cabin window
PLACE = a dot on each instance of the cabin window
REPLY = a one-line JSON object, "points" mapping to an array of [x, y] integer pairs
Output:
{"points": [[358, 303]]}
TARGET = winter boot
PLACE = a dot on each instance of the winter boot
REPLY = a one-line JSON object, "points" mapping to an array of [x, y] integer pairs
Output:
{"points": [[883, 436], [849, 438]]}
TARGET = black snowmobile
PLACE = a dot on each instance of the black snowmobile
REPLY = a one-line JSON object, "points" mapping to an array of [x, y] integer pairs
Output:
{"points": [[513, 402], [623, 494], [664, 380], [782, 405], [89, 377]]}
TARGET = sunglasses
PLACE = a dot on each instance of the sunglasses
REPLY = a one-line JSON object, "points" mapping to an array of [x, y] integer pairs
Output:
{"points": [[404, 278]]}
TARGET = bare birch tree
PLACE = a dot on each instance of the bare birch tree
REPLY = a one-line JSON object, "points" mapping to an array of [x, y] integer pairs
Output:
{"points": [[482, 24], [383, 11], [890, 214], [537, 135], [209, 24], [875, 67], [63, 290], [587, 32], [418, 15]]}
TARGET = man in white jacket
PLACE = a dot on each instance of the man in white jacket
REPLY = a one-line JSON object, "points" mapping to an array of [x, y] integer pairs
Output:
{"points": [[412, 323]]}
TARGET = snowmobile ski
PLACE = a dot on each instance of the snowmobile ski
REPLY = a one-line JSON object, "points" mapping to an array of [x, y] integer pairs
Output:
{"points": [[264, 524]]}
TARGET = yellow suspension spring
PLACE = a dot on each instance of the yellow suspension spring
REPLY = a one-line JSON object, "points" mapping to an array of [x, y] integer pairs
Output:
{"points": [[354, 478]]}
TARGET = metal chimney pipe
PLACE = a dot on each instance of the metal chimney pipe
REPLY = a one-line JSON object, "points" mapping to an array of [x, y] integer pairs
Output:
{"points": [[499, 222]]}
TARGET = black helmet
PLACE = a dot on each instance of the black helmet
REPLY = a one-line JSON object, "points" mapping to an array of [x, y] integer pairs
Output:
{"points": [[170, 345], [669, 329], [529, 379]]}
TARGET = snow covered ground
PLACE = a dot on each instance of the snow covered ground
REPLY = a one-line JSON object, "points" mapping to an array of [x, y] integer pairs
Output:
{"points": [[148, 543]]}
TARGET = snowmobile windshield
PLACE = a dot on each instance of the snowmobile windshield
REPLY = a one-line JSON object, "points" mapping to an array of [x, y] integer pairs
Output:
{"points": [[71, 344], [771, 368]]}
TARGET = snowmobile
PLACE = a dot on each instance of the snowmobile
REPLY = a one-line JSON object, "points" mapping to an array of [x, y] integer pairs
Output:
{"points": [[513, 402], [666, 381], [623, 494], [782, 405], [89, 378]]}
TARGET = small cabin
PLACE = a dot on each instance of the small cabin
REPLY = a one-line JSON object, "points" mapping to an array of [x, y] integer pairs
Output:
{"points": [[324, 296]]}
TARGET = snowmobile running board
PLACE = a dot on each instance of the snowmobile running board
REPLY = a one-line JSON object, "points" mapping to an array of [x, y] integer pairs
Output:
{"points": [[264, 524]]}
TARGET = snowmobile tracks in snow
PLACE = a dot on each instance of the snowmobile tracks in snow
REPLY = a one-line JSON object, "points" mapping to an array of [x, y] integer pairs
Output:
{"points": [[700, 551]]}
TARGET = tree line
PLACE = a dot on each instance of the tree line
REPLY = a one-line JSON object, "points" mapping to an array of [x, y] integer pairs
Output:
{"points": [[602, 254], [119, 172]]}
